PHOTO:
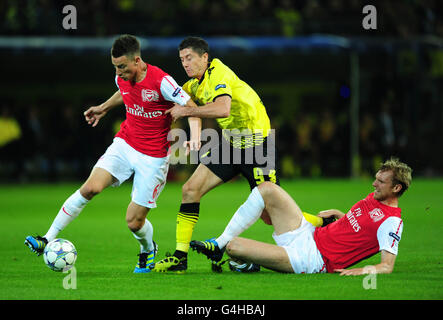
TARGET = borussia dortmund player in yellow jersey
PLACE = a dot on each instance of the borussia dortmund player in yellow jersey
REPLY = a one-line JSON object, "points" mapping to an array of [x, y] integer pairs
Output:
{"points": [[220, 94]]}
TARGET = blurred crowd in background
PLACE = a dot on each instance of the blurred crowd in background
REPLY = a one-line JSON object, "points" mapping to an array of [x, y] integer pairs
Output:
{"points": [[44, 137]]}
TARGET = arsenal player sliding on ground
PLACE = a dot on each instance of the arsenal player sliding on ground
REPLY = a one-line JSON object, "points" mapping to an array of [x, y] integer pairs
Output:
{"points": [[372, 225], [139, 148]]}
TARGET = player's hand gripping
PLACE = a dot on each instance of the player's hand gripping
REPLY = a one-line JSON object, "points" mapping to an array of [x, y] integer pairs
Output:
{"points": [[177, 112], [94, 114]]}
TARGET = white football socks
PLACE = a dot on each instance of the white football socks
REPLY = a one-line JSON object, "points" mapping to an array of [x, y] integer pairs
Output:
{"points": [[68, 212], [144, 236], [243, 218]]}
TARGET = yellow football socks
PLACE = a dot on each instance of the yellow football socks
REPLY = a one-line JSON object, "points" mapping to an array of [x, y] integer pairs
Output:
{"points": [[186, 219]]}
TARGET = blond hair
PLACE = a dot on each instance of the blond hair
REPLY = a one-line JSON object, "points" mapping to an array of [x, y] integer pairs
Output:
{"points": [[401, 173]]}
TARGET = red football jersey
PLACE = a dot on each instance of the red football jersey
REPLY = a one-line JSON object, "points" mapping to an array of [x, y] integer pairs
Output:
{"points": [[147, 126], [366, 229]]}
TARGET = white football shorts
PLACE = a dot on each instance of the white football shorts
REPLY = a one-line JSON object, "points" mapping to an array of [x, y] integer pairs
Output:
{"points": [[121, 161], [302, 249]]}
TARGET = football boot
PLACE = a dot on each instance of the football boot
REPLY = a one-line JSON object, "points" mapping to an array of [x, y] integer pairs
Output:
{"points": [[243, 267], [170, 264], [145, 260], [209, 248], [36, 244]]}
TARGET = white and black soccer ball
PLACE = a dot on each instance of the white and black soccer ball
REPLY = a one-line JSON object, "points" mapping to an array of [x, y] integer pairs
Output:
{"points": [[60, 255]]}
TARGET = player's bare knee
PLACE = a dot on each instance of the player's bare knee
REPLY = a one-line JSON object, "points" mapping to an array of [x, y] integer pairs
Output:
{"points": [[230, 248], [234, 248], [190, 192], [134, 227], [134, 224], [90, 190], [267, 190]]}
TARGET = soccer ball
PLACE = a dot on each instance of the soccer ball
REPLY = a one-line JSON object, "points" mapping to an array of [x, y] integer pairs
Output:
{"points": [[60, 255]]}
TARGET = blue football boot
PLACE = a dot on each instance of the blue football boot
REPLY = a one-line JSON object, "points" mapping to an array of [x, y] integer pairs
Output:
{"points": [[36, 244], [145, 259]]}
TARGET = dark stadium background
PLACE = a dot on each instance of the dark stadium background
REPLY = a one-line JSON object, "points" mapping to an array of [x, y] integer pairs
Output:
{"points": [[340, 97]]}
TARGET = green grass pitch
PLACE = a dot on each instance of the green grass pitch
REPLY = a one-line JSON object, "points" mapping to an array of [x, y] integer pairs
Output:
{"points": [[107, 250]]}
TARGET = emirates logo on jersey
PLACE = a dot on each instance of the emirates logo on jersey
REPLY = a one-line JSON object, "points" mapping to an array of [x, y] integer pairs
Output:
{"points": [[376, 214], [150, 95], [139, 111]]}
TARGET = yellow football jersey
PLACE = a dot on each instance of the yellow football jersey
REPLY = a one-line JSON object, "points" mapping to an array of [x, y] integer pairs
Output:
{"points": [[248, 114]]}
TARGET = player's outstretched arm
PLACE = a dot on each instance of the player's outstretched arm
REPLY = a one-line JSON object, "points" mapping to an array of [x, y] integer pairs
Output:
{"points": [[385, 266], [95, 113]]}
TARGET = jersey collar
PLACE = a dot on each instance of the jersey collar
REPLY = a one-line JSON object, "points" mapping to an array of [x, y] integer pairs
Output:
{"points": [[208, 70]]}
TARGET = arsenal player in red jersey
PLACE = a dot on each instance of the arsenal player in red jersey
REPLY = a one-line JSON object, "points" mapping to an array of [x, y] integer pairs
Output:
{"points": [[140, 148], [372, 225]]}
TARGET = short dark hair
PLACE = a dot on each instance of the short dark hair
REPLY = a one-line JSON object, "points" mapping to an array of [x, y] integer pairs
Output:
{"points": [[125, 45], [197, 44]]}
